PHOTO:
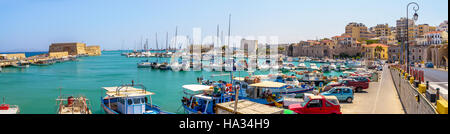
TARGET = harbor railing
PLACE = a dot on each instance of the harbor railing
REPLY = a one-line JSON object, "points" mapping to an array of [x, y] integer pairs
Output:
{"points": [[412, 94]]}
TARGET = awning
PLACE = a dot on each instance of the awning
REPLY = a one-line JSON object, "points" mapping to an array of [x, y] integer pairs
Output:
{"points": [[268, 84]]}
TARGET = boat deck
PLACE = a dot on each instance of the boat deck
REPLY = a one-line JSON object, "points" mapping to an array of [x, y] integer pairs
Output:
{"points": [[10, 111]]}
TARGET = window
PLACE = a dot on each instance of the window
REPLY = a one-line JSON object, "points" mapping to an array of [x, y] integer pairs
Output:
{"points": [[334, 102], [315, 103], [130, 102], [327, 104], [346, 90]]}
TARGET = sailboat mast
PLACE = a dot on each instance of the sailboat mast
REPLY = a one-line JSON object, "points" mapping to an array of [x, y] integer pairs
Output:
{"points": [[167, 41], [176, 36]]}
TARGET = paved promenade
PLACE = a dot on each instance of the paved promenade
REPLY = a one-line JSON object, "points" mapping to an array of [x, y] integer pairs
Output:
{"points": [[380, 98]]}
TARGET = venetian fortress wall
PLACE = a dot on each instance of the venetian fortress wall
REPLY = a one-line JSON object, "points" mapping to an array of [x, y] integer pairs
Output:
{"points": [[71, 48], [75, 49], [12, 56], [93, 50], [58, 54]]}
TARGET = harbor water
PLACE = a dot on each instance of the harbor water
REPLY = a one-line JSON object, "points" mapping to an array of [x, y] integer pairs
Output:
{"points": [[35, 88]]}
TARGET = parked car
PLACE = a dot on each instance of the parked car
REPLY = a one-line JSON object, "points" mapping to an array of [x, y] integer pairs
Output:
{"points": [[429, 65], [360, 78], [318, 105], [358, 83], [341, 93]]}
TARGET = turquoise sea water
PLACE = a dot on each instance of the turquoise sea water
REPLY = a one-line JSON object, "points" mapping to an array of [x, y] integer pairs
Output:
{"points": [[35, 89]]}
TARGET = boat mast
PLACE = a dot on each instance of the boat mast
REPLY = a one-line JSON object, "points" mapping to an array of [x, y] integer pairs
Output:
{"points": [[176, 36], [156, 40], [167, 41], [232, 87]]}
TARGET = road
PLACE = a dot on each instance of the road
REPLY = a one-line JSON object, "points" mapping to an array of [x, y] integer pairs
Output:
{"points": [[380, 98], [437, 79]]}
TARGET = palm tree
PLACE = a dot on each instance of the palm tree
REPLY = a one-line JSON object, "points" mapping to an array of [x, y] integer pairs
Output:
{"points": [[378, 51]]}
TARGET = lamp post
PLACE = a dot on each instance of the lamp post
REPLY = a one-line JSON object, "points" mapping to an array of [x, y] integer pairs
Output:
{"points": [[416, 16]]}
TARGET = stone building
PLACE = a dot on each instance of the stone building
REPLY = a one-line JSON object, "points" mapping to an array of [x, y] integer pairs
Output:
{"points": [[93, 50], [75, 49], [58, 54], [438, 55], [16, 56], [71, 48]]}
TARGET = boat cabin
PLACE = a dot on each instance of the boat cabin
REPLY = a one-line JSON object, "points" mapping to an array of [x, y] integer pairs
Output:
{"points": [[128, 100]]}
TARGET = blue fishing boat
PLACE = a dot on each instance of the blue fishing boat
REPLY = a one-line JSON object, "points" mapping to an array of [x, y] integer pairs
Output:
{"points": [[265, 92], [129, 99], [201, 99]]}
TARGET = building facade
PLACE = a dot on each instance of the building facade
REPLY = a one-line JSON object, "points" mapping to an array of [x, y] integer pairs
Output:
{"points": [[358, 31], [93, 50], [71, 48], [376, 51], [382, 30]]}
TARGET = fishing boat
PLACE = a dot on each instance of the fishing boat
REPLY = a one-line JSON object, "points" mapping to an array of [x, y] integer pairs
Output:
{"points": [[302, 66], [332, 66], [73, 105], [8, 109], [164, 66], [265, 92], [144, 64], [313, 66], [201, 99], [129, 99], [313, 77], [287, 67], [293, 86], [43, 63], [21, 64], [325, 68], [263, 67], [175, 66]]}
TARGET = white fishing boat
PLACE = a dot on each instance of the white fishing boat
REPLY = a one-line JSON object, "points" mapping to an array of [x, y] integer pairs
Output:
{"points": [[313, 66], [73, 105], [8, 109], [302, 66], [263, 67], [21, 64], [325, 68], [129, 99], [332, 66], [144, 65]]}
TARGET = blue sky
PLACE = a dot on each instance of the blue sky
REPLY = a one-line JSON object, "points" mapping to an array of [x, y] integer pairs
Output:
{"points": [[32, 25]]}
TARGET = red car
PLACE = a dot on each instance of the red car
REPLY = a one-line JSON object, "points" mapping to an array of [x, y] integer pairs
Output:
{"points": [[318, 105], [357, 85]]}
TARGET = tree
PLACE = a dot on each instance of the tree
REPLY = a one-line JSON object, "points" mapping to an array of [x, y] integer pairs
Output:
{"points": [[378, 51]]}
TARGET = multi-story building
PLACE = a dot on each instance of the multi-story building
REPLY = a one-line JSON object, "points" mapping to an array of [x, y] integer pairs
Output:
{"points": [[424, 28], [382, 30], [435, 37], [402, 30], [443, 26], [358, 31], [394, 53]]}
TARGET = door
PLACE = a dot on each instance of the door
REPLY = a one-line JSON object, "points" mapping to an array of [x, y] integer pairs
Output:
{"points": [[314, 107], [346, 93]]}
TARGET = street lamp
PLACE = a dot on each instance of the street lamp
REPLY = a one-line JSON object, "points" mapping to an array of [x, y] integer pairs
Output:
{"points": [[416, 16]]}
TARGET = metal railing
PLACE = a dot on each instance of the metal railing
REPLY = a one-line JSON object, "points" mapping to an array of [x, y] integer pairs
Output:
{"points": [[412, 100]]}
